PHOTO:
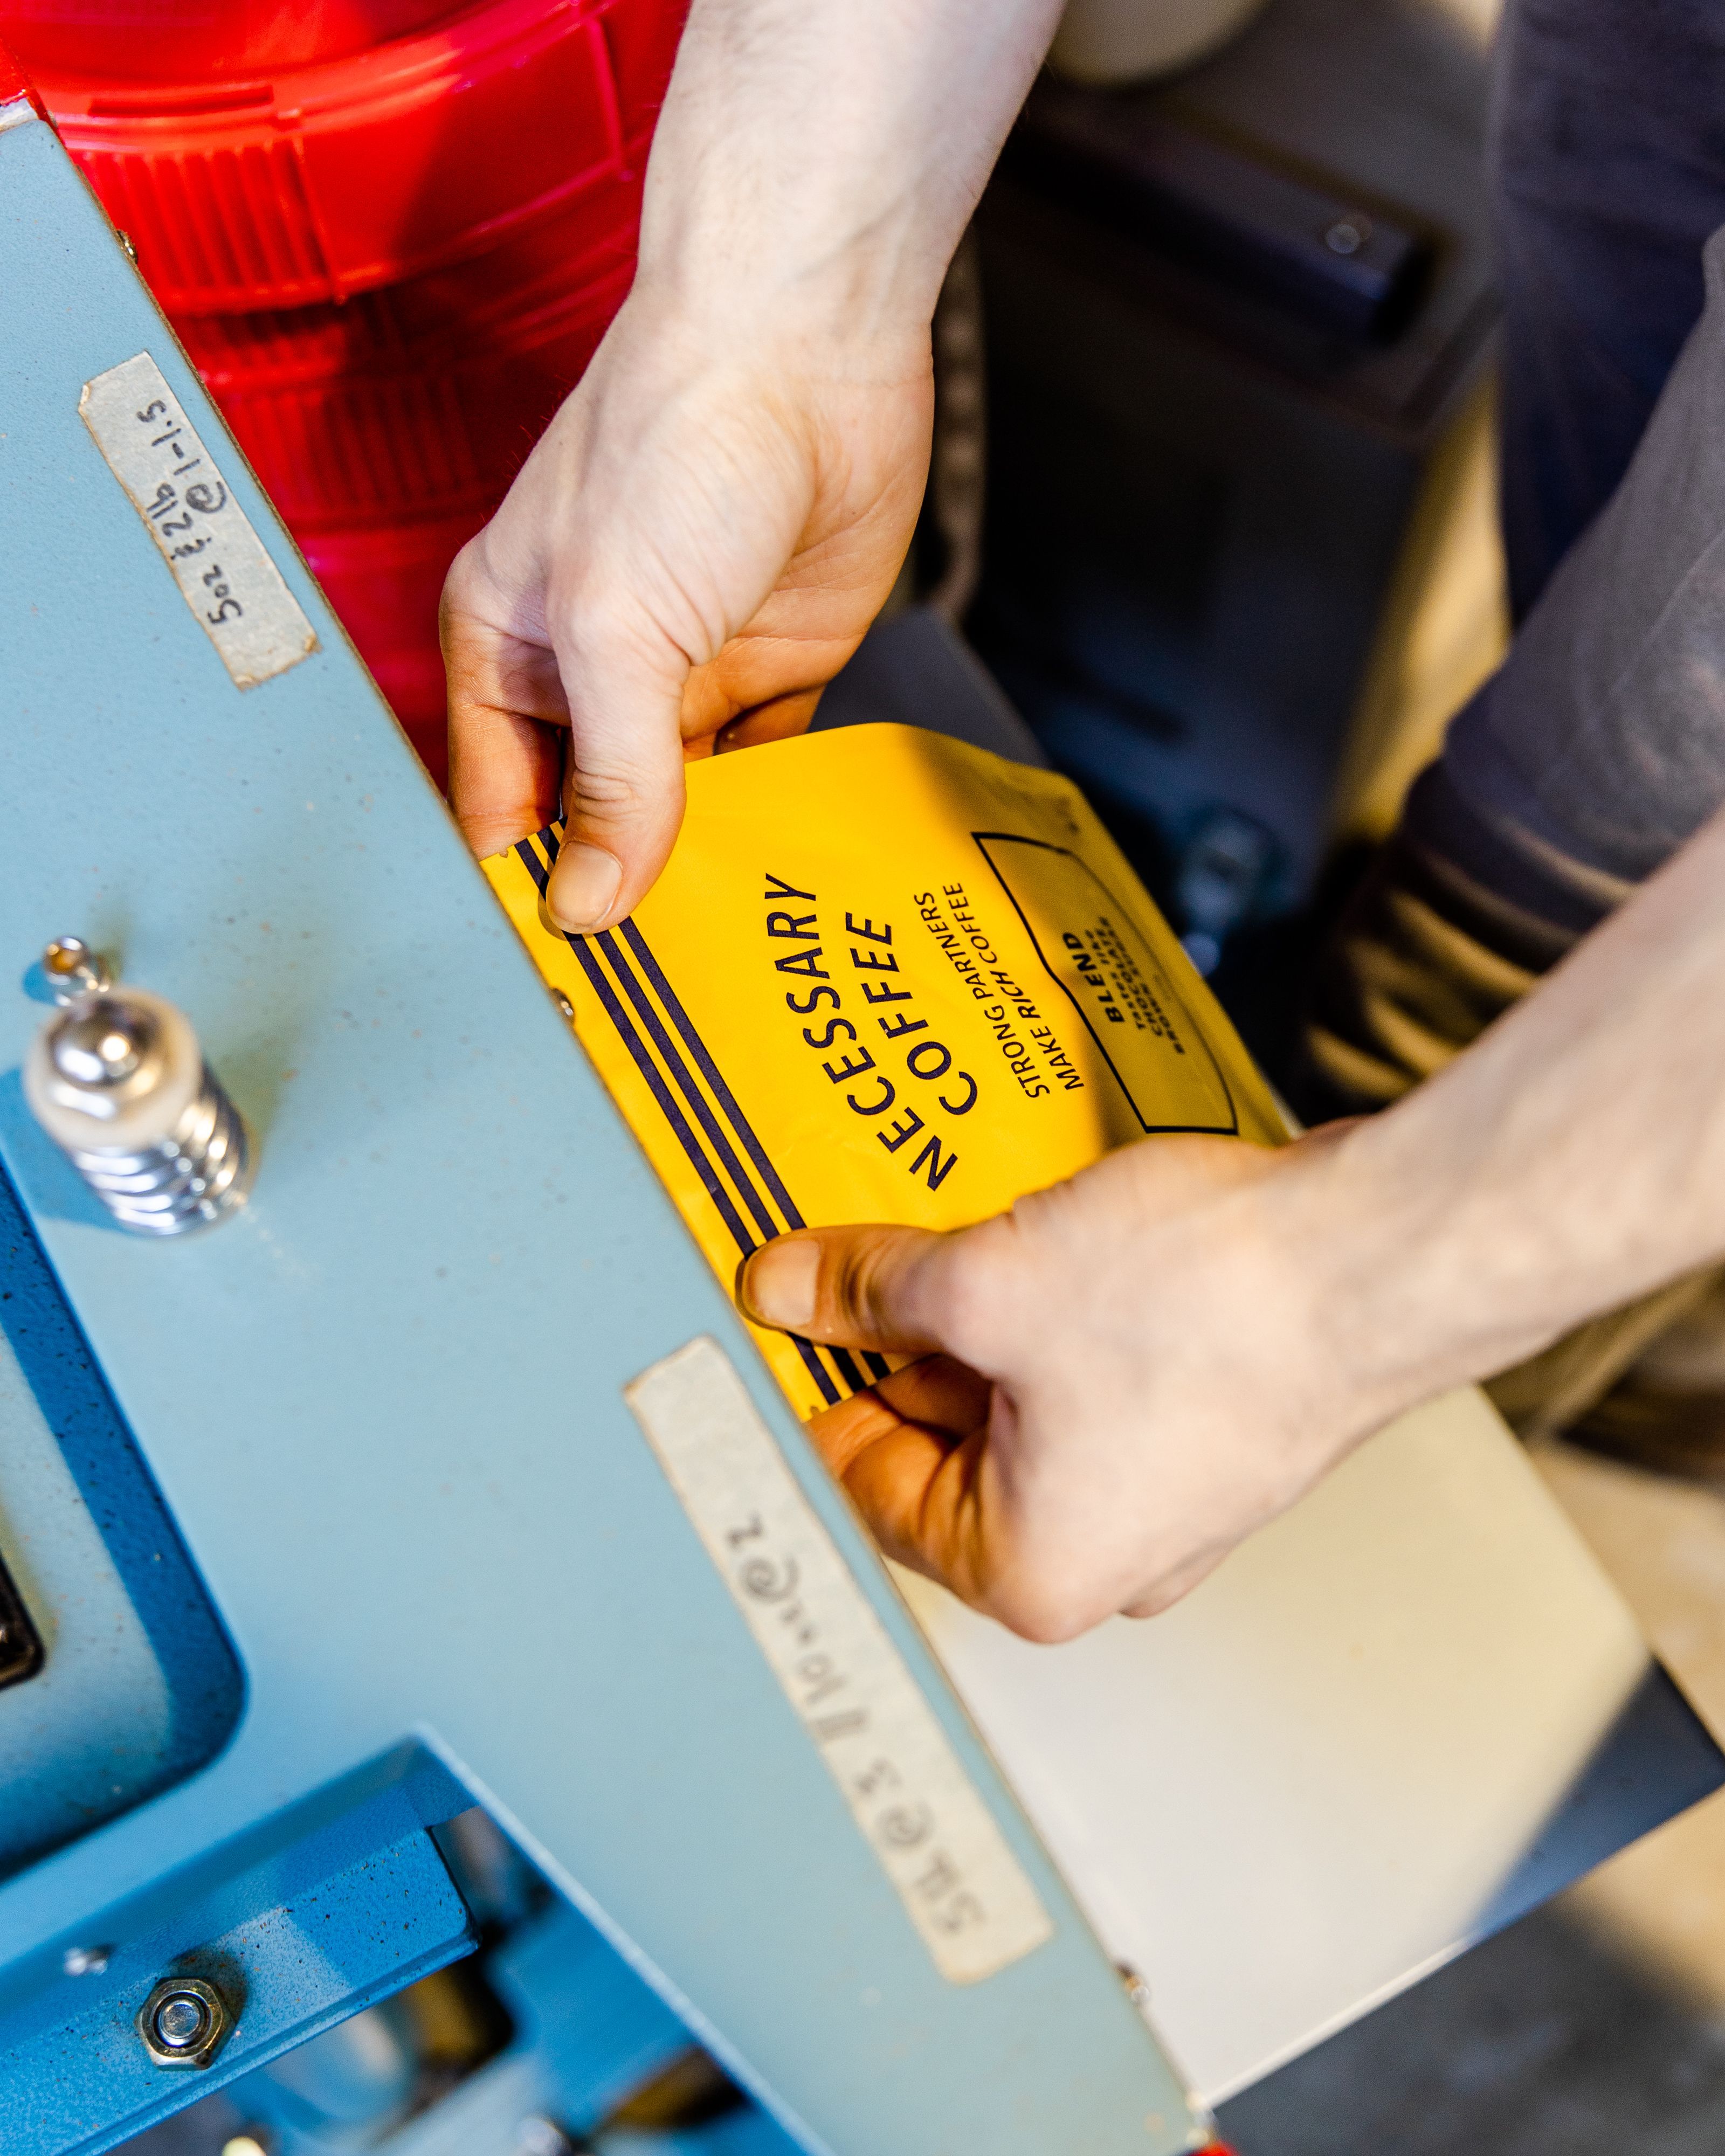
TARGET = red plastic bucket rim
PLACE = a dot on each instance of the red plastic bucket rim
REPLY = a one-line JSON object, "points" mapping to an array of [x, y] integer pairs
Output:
{"points": [[357, 90]]}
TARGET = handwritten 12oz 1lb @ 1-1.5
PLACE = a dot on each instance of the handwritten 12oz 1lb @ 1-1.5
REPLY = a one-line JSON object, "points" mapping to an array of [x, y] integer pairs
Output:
{"points": [[885, 975]]}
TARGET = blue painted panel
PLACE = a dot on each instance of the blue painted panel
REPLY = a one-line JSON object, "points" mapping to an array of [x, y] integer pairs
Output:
{"points": [[598, 2032], [138, 1685], [75, 2086], [588, 2034], [384, 1405], [738, 2133]]}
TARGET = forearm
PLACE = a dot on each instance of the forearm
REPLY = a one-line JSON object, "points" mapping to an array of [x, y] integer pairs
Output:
{"points": [[1571, 1161], [819, 159]]}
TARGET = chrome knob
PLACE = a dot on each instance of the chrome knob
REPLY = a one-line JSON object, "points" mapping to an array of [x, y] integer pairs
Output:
{"points": [[117, 1080]]}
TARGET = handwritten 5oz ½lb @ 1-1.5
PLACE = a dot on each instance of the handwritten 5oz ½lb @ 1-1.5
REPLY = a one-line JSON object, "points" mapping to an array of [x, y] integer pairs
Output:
{"points": [[884, 977]]}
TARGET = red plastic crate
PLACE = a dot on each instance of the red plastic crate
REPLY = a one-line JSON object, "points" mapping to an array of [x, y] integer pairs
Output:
{"points": [[312, 182], [13, 85], [390, 234], [192, 40]]}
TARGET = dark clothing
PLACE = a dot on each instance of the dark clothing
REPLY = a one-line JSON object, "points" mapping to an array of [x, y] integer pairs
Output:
{"points": [[1607, 165], [1599, 745]]}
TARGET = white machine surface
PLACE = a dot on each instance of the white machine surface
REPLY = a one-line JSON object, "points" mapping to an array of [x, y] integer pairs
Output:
{"points": [[1363, 1741]]}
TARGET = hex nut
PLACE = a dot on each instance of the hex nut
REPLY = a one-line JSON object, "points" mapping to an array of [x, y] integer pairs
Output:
{"points": [[184, 2022]]}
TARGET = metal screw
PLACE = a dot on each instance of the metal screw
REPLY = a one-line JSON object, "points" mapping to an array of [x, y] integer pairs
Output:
{"points": [[537, 2136], [1135, 1989], [85, 1961], [75, 969], [1348, 234], [184, 2022]]}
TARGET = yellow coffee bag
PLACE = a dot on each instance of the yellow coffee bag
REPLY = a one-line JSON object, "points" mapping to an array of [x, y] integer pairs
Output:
{"points": [[886, 977]]}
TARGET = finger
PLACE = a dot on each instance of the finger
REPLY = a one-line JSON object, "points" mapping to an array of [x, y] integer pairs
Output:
{"points": [[504, 772], [623, 782], [938, 1394], [922, 1497], [909, 1452], [784, 717], [504, 703], [870, 1287], [757, 674]]}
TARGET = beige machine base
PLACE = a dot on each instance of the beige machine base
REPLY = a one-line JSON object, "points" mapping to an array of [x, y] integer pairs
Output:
{"points": [[1361, 1743]]}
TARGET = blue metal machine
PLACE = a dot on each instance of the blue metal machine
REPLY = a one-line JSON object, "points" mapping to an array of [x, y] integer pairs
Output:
{"points": [[330, 1535]]}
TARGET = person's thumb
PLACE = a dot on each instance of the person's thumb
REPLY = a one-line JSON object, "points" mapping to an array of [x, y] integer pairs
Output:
{"points": [[623, 784], [873, 1287]]}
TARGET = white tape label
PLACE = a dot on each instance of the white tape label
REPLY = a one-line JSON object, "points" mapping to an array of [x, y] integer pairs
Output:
{"points": [[916, 1808], [224, 573]]}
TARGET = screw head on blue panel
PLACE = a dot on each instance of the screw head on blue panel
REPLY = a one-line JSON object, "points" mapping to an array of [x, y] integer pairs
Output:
{"points": [[184, 2022]]}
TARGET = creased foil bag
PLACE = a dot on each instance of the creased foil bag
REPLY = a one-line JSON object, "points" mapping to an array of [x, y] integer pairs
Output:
{"points": [[886, 977]]}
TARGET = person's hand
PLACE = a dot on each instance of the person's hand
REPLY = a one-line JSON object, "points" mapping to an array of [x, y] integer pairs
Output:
{"points": [[694, 548], [1132, 1371], [700, 538]]}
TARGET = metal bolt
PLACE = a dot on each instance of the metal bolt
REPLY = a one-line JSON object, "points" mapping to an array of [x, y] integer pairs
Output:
{"points": [[1135, 1989], [537, 2136], [184, 2022], [74, 968], [180, 2022], [85, 1961]]}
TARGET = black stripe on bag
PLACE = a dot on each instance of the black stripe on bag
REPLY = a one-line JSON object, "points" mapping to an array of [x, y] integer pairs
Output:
{"points": [[661, 1092], [692, 1094], [685, 1085], [550, 840], [877, 1365], [535, 868], [710, 1070], [691, 1144]]}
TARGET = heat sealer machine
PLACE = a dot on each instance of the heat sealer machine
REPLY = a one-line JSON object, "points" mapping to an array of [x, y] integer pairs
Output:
{"points": [[360, 1529]]}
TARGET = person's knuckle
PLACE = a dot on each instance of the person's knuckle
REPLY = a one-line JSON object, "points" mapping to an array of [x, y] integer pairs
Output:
{"points": [[972, 1285], [1041, 1580], [461, 572], [610, 792], [1044, 1607], [859, 1284]]}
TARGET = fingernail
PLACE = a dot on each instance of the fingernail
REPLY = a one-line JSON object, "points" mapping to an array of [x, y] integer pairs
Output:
{"points": [[779, 1283], [583, 887]]}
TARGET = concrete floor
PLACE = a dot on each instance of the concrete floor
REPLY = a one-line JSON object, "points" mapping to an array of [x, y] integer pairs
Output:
{"points": [[1597, 2026]]}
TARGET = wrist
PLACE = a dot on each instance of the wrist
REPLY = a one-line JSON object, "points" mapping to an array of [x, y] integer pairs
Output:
{"points": [[1318, 1265], [1343, 1277], [1426, 1283], [815, 164], [842, 270], [826, 322]]}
